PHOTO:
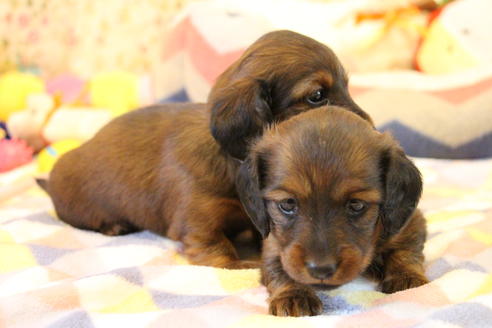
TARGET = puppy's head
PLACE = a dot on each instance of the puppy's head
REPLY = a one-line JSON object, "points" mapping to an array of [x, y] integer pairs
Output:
{"points": [[283, 73], [323, 187]]}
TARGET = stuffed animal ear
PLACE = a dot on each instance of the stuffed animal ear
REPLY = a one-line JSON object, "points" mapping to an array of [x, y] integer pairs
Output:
{"points": [[403, 188], [240, 110], [248, 187]]}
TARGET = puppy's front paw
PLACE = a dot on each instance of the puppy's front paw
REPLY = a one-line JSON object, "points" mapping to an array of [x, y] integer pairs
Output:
{"points": [[401, 282], [295, 303]]}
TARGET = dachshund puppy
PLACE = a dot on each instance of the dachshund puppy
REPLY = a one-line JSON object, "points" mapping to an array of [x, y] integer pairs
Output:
{"points": [[159, 169], [334, 199], [283, 73]]}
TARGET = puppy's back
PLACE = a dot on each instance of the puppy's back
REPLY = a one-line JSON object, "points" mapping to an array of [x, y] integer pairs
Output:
{"points": [[117, 175]]}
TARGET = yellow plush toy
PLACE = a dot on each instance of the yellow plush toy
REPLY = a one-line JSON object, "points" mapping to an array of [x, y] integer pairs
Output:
{"points": [[458, 38], [14, 89], [116, 91], [48, 156]]}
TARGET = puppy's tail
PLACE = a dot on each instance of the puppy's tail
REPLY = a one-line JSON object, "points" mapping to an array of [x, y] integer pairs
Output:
{"points": [[43, 183]]}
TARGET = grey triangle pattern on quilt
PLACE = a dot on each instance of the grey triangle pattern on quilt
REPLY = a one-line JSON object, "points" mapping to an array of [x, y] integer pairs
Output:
{"points": [[166, 300], [46, 255], [441, 266], [74, 319], [131, 274], [417, 144], [336, 305], [469, 315]]}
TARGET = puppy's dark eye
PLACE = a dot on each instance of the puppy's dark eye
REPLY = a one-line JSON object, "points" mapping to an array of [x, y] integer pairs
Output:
{"points": [[356, 207], [288, 206], [317, 98]]}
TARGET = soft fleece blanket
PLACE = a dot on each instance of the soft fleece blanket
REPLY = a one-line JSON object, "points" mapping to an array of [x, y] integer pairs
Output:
{"points": [[53, 275]]}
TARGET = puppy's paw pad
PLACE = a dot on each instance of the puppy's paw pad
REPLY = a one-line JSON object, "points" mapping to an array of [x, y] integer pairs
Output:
{"points": [[297, 303], [399, 283]]}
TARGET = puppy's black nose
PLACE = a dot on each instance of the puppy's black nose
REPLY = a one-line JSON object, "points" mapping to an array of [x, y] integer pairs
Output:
{"points": [[321, 272]]}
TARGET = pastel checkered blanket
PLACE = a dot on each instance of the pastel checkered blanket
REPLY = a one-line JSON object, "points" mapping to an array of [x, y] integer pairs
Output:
{"points": [[53, 275]]}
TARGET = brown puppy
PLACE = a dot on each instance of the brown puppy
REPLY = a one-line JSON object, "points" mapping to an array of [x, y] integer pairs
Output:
{"points": [[283, 73], [334, 199], [156, 168]]}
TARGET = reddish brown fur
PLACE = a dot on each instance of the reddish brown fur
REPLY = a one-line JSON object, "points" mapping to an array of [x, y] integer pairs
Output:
{"points": [[170, 177], [323, 159], [160, 169]]}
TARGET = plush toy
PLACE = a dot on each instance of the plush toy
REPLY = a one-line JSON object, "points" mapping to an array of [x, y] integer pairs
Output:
{"points": [[29, 123], [79, 123], [14, 153], [14, 89], [45, 121], [48, 156], [68, 87], [4, 133], [386, 35], [458, 38], [117, 91]]}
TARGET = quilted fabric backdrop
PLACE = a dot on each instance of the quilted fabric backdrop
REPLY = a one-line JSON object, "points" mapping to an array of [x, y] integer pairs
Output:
{"points": [[442, 116], [447, 116], [180, 55]]}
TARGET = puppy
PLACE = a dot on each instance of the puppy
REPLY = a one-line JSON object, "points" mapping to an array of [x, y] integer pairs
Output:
{"points": [[159, 169], [283, 73], [334, 199]]}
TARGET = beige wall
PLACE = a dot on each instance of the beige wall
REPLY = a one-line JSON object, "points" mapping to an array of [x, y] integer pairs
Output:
{"points": [[85, 36]]}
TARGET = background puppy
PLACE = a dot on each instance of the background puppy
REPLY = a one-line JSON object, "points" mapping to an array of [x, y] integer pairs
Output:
{"points": [[283, 73], [334, 199], [173, 180]]}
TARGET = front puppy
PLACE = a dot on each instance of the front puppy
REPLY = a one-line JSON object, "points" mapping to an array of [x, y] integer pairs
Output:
{"points": [[334, 199]]}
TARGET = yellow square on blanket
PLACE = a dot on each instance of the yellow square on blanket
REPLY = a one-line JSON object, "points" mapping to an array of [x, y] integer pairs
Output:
{"points": [[15, 257]]}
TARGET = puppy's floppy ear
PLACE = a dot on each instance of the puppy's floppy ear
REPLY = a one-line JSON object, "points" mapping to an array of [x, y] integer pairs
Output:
{"points": [[240, 110], [403, 187], [248, 185]]}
